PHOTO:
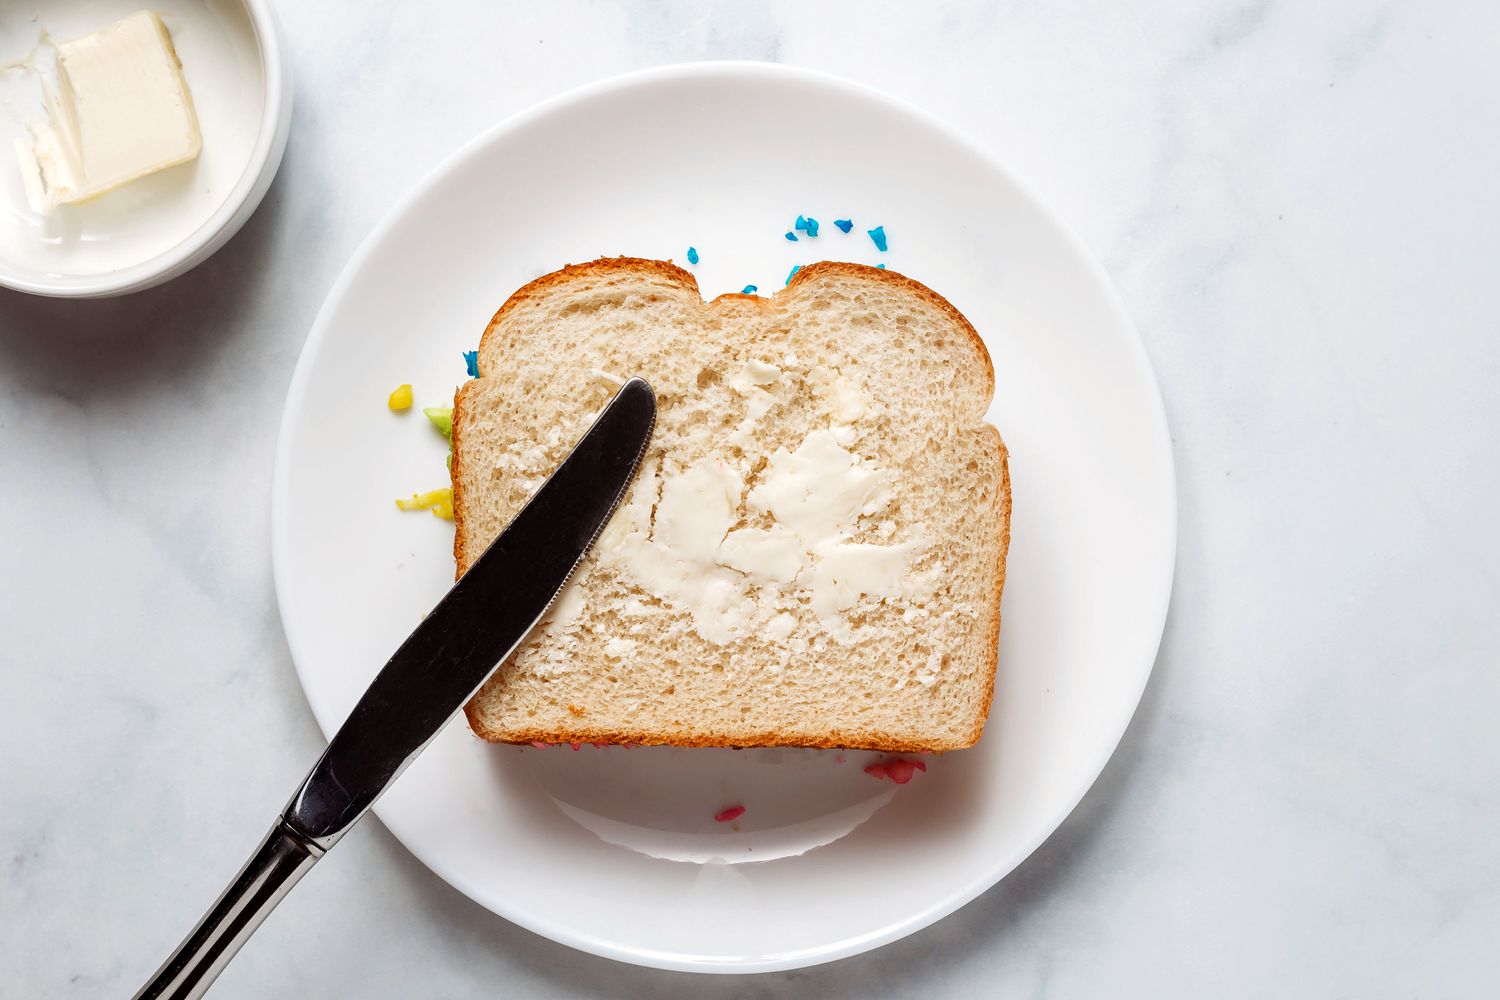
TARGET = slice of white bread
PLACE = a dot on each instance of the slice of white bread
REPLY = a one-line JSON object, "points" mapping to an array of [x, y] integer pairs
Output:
{"points": [[853, 386]]}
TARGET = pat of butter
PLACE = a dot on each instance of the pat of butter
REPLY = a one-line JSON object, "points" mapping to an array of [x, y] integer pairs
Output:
{"points": [[118, 110]]}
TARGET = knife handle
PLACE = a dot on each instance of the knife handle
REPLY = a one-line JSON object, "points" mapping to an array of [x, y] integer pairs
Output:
{"points": [[272, 870]]}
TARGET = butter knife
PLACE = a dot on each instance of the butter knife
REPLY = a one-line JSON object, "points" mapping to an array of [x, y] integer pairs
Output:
{"points": [[437, 669]]}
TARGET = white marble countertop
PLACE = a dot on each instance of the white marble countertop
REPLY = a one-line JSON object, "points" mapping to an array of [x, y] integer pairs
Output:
{"points": [[1298, 202]]}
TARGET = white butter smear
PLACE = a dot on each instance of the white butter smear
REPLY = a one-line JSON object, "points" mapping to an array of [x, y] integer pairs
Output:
{"points": [[819, 490], [676, 536]]}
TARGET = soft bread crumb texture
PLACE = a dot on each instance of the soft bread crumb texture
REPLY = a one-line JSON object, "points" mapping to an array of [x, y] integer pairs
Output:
{"points": [[616, 663]]}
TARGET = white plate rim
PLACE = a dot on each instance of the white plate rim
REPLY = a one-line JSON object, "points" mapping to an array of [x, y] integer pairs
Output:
{"points": [[298, 389]]}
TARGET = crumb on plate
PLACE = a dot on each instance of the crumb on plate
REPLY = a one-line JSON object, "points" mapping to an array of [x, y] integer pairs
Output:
{"points": [[439, 501], [442, 419], [898, 770]]}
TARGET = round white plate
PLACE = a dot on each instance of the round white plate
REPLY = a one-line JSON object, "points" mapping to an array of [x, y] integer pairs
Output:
{"points": [[615, 850]]}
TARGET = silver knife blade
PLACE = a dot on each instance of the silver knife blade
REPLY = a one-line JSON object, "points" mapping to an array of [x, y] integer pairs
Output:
{"points": [[478, 624], [438, 668]]}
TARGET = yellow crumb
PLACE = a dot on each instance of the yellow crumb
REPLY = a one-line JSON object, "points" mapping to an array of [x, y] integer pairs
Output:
{"points": [[440, 502], [400, 398]]}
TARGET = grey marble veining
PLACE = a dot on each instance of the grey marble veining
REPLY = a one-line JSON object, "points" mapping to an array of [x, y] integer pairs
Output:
{"points": [[1299, 204]]}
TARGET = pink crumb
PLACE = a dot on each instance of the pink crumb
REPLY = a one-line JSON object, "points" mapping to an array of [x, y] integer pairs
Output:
{"points": [[729, 815], [598, 746], [576, 746], [540, 745], [899, 770]]}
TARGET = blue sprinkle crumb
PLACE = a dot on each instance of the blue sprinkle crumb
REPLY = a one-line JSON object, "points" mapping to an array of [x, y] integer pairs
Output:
{"points": [[878, 235], [748, 290], [795, 269], [471, 362], [692, 255], [791, 237], [880, 266], [844, 224], [807, 225]]}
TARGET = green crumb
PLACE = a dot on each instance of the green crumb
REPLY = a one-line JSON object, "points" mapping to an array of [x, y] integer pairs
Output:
{"points": [[442, 419]]}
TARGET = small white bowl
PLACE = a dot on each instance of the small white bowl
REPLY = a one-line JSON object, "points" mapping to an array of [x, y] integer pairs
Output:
{"points": [[161, 226]]}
